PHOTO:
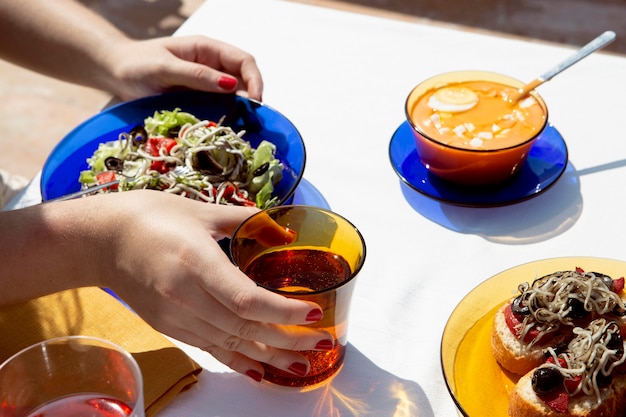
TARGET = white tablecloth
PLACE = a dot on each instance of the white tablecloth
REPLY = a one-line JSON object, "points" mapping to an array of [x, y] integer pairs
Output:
{"points": [[342, 78]]}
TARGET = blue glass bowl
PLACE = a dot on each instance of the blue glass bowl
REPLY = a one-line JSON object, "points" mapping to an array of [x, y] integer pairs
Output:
{"points": [[62, 168]]}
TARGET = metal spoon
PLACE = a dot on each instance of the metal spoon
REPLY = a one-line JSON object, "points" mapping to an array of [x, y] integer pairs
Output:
{"points": [[87, 191], [178, 171], [598, 43]]}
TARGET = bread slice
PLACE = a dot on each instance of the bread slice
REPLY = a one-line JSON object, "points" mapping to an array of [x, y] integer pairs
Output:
{"points": [[524, 402], [509, 351], [579, 372], [577, 292]]}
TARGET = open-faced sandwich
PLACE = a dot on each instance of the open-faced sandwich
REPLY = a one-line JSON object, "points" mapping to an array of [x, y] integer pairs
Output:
{"points": [[585, 379], [546, 311]]}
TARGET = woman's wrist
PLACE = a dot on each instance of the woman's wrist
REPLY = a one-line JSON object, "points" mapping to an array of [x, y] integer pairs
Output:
{"points": [[51, 247]]}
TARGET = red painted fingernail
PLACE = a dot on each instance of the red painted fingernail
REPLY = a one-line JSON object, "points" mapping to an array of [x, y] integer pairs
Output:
{"points": [[227, 83], [314, 315], [326, 344], [256, 375], [298, 368]]}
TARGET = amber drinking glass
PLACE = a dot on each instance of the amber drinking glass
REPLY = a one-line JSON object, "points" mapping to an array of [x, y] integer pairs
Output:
{"points": [[307, 253]]}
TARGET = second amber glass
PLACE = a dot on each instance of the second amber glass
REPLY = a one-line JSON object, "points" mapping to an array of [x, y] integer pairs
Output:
{"points": [[306, 253]]}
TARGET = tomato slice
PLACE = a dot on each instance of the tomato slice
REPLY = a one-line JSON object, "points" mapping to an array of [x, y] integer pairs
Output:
{"points": [[107, 176], [154, 146]]}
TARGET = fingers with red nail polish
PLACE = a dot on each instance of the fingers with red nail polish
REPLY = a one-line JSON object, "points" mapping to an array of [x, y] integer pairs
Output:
{"points": [[227, 83], [299, 368], [325, 345], [315, 315], [254, 374]]}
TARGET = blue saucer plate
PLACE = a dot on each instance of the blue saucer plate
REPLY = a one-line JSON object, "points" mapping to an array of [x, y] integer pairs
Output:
{"points": [[546, 163]]}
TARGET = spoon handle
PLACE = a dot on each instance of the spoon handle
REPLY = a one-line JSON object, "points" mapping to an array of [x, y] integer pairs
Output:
{"points": [[598, 43]]}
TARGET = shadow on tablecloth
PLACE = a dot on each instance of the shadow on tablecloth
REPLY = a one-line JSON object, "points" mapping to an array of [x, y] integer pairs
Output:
{"points": [[361, 389], [538, 219]]}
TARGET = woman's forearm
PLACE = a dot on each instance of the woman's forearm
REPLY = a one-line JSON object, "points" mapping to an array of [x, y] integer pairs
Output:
{"points": [[60, 38], [48, 248], [65, 40]]}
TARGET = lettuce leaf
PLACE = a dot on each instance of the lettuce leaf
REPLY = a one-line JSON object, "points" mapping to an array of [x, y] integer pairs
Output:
{"points": [[263, 184], [163, 121]]}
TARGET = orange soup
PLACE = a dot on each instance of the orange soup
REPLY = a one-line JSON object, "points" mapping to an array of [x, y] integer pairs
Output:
{"points": [[477, 115]]}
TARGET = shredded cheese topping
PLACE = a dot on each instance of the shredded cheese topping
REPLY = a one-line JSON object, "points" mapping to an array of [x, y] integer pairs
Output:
{"points": [[549, 300], [589, 356]]}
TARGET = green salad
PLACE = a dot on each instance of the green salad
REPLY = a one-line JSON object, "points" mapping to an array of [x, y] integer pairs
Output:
{"points": [[175, 152]]}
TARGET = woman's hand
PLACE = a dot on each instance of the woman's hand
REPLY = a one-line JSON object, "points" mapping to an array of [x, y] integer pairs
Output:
{"points": [[66, 40], [160, 254], [165, 262], [147, 67]]}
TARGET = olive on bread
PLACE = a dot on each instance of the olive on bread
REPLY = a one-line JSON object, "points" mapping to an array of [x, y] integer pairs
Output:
{"points": [[546, 311], [585, 379]]}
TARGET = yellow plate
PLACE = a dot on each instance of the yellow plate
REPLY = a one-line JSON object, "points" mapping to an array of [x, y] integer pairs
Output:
{"points": [[476, 382]]}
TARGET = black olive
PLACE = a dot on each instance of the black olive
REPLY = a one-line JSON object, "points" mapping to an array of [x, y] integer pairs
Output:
{"points": [[603, 380], [615, 342], [518, 307], [138, 135], [261, 170], [577, 309], [114, 164], [607, 280], [546, 380], [618, 311], [173, 132], [558, 348]]}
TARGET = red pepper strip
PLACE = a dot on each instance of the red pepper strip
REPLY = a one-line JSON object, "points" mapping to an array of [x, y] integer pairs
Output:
{"points": [[562, 362], [107, 176], [559, 400], [230, 191], [556, 400], [572, 383], [618, 284], [514, 322]]}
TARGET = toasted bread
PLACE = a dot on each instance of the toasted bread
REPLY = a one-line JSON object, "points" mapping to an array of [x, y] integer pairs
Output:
{"points": [[509, 351], [572, 383], [524, 402], [581, 298]]}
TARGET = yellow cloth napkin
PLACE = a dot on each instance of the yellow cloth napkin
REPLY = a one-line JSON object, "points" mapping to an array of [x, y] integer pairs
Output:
{"points": [[166, 369]]}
